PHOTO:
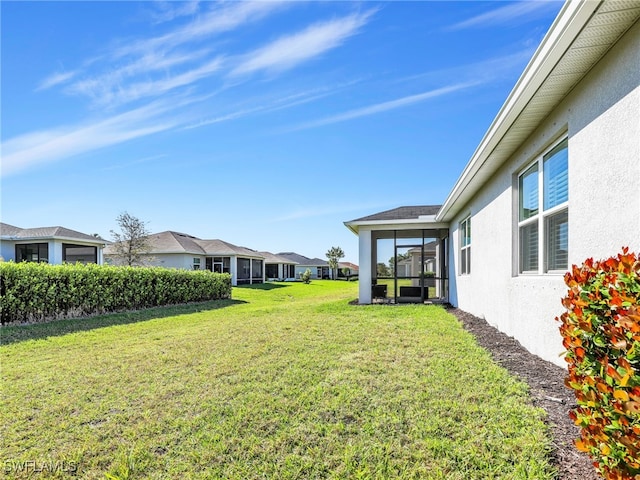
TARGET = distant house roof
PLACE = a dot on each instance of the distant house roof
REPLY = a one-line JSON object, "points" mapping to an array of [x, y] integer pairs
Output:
{"points": [[11, 232], [176, 242], [302, 260], [172, 242], [220, 247], [272, 258], [402, 213], [351, 266]]}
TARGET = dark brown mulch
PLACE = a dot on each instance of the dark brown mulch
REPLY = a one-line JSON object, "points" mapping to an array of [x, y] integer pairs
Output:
{"points": [[546, 384]]}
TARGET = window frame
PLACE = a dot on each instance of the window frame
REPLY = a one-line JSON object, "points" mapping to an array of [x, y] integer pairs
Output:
{"points": [[72, 246], [541, 218], [41, 252], [465, 246]]}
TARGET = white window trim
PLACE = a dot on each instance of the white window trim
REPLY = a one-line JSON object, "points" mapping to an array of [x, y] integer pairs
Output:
{"points": [[540, 217], [462, 226]]}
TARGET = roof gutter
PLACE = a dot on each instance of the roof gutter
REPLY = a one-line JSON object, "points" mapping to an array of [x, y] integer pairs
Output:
{"points": [[573, 17]]}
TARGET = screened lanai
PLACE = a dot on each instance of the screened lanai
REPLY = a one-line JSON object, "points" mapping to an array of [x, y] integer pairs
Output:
{"points": [[404, 254], [410, 266]]}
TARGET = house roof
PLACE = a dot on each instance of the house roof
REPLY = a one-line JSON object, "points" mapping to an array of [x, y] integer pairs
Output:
{"points": [[401, 213], [580, 36], [176, 242], [272, 258], [302, 260], [220, 247], [11, 232], [349, 265], [417, 216]]}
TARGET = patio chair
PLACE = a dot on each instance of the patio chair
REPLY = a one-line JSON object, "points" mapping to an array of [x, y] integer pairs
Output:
{"points": [[379, 292]]}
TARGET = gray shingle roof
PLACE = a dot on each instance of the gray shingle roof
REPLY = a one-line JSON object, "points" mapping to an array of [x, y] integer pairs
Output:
{"points": [[16, 233], [272, 258], [176, 242], [220, 247], [302, 260], [7, 230], [401, 213]]}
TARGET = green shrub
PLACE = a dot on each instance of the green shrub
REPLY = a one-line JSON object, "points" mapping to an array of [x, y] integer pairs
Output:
{"points": [[601, 332], [32, 292], [306, 276]]}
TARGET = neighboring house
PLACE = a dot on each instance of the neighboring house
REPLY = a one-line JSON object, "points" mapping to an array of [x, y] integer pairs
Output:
{"points": [[53, 245], [179, 250], [347, 270], [278, 268], [319, 268], [553, 182]]}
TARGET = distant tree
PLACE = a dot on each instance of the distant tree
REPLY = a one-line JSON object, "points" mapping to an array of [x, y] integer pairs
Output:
{"points": [[399, 258], [382, 270], [131, 244], [334, 255]]}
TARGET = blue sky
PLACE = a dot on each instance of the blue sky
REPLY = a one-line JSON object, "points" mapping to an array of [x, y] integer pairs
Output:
{"points": [[264, 124]]}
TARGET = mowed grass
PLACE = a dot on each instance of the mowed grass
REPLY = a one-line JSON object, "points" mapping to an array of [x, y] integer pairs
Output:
{"points": [[285, 381]]}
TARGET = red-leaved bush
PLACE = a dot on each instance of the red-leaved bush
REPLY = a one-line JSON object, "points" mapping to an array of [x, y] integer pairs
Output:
{"points": [[601, 332]]}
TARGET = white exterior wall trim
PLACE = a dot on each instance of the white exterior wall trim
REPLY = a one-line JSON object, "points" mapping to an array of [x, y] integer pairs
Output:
{"points": [[397, 224]]}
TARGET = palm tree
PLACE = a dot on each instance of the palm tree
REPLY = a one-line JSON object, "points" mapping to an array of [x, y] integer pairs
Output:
{"points": [[334, 255]]}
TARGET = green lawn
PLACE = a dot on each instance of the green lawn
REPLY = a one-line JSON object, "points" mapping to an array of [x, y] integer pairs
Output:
{"points": [[283, 381]]}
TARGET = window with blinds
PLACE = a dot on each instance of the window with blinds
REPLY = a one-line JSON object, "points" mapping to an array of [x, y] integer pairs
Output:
{"points": [[543, 219]]}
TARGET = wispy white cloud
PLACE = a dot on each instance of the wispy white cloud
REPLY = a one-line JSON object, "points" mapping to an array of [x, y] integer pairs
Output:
{"points": [[272, 104], [224, 17], [56, 79], [292, 50], [166, 11], [31, 149], [175, 63], [113, 90], [384, 106], [508, 14], [132, 70], [485, 70]]}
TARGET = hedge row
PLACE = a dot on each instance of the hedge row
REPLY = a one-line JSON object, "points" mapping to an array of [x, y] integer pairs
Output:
{"points": [[601, 332], [32, 292]]}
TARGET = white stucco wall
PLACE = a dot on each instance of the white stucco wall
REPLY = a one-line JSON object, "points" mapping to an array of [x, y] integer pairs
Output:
{"points": [[601, 117], [7, 251], [182, 261], [300, 269]]}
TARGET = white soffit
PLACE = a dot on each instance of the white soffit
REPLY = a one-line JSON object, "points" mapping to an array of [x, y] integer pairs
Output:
{"points": [[579, 37]]}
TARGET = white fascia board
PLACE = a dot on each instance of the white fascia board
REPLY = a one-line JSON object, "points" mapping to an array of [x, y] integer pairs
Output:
{"points": [[396, 225], [573, 17], [76, 241]]}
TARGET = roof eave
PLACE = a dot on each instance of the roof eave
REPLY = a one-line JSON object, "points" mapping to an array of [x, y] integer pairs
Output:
{"points": [[409, 222], [570, 21], [98, 242]]}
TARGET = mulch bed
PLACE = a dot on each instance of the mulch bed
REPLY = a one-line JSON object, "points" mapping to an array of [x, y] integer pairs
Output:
{"points": [[546, 384]]}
